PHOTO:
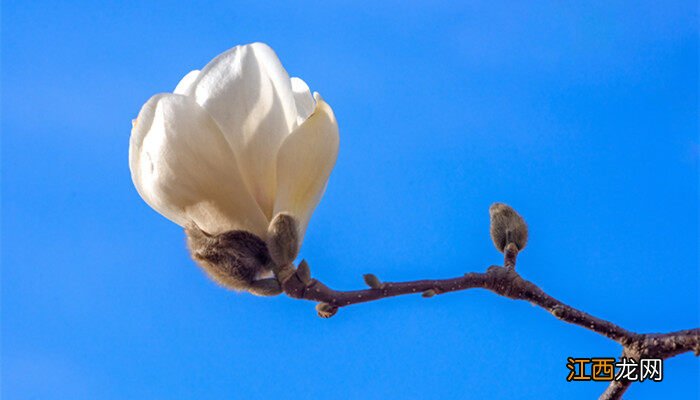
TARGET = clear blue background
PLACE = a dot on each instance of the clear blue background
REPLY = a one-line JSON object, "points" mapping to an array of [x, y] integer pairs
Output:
{"points": [[583, 116]]}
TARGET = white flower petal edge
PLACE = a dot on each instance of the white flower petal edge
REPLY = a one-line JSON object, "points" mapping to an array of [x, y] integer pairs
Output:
{"points": [[183, 87], [303, 100], [183, 167], [304, 164], [249, 95]]}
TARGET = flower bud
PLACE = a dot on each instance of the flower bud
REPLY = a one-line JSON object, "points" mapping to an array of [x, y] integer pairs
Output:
{"points": [[326, 310], [372, 281], [507, 226], [282, 239]]}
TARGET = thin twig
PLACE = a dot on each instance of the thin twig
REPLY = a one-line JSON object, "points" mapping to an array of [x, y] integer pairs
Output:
{"points": [[506, 282]]}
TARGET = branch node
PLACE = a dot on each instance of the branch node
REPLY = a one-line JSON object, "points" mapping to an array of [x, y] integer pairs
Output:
{"points": [[304, 272]]}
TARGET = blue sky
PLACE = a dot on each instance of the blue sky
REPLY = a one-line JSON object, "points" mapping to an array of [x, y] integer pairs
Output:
{"points": [[583, 116]]}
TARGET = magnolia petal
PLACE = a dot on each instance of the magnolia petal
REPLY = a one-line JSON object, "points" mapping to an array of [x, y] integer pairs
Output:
{"points": [[183, 167], [305, 162], [302, 98], [186, 82], [249, 95]]}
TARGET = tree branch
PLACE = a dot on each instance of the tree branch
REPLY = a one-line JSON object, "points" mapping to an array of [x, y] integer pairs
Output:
{"points": [[509, 234], [506, 282]]}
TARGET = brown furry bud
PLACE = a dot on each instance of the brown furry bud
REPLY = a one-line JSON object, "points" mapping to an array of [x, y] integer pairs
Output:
{"points": [[507, 226], [372, 281], [238, 260], [326, 310], [283, 239]]}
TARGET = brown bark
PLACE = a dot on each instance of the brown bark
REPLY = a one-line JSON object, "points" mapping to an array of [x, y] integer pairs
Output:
{"points": [[506, 282]]}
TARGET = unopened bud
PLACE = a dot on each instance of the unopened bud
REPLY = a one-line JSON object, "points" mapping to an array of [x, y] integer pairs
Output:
{"points": [[507, 226], [372, 281], [283, 239], [557, 311], [326, 310], [429, 293]]}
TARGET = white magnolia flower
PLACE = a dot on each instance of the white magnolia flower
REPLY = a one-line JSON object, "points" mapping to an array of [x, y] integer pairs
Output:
{"points": [[235, 144]]}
